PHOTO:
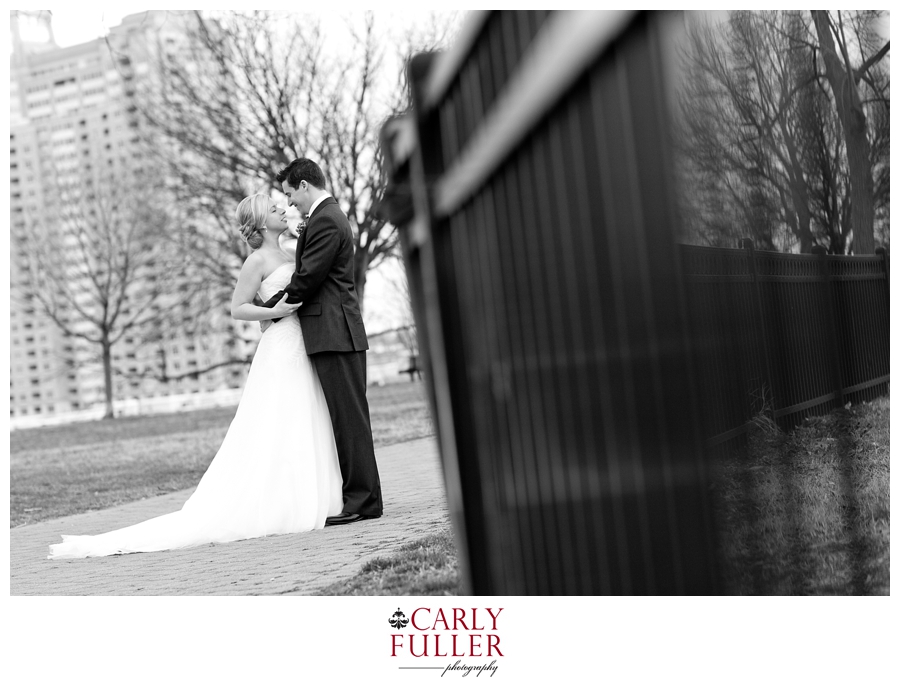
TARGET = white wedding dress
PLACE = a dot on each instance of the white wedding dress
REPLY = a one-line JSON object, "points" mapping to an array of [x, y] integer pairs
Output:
{"points": [[276, 472]]}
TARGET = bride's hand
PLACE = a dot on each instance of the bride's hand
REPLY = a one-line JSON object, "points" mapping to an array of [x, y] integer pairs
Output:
{"points": [[283, 309]]}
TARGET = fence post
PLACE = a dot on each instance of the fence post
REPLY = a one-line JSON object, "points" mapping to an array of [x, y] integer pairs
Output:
{"points": [[747, 244], [827, 300], [887, 282]]}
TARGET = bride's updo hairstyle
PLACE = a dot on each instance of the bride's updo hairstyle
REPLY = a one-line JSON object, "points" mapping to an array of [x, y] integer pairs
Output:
{"points": [[251, 215]]}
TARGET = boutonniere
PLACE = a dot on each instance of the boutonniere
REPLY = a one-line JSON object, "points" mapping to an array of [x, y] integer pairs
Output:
{"points": [[301, 227]]}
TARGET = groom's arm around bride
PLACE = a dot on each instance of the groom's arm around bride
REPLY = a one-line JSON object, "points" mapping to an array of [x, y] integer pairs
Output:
{"points": [[333, 332]]}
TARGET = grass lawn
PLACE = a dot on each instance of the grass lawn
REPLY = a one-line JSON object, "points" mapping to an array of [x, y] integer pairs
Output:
{"points": [[62, 470], [809, 512], [425, 567]]}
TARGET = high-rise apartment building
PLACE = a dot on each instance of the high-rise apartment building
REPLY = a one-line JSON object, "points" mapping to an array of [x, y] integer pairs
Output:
{"points": [[72, 114]]}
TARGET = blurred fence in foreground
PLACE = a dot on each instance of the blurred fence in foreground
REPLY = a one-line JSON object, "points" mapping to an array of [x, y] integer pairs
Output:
{"points": [[785, 336], [535, 199], [580, 362]]}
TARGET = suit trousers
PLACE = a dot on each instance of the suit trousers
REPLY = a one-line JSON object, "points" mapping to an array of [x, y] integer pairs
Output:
{"points": [[343, 378]]}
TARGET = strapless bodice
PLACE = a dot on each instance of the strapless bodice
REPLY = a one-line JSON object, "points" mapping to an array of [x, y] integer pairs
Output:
{"points": [[275, 281]]}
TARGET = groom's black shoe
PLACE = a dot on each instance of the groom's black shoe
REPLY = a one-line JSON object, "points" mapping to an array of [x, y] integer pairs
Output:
{"points": [[347, 518]]}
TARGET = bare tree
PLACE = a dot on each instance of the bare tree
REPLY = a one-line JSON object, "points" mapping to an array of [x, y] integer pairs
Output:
{"points": [[242, 96], [824, 169], [228, 106], [844, 80], [102, 266], [350, 120], [193, 320], [761, 143], [741, 129]]}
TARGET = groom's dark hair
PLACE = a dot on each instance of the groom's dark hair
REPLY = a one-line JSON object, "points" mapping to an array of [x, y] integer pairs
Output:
{"points": [[302, 169]]}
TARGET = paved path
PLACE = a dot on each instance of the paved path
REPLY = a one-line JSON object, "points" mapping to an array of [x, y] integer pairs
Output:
{"points": [[414, 504]]}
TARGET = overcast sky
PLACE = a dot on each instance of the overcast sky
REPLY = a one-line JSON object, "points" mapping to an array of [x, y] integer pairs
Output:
{"points": [[73, 25]]}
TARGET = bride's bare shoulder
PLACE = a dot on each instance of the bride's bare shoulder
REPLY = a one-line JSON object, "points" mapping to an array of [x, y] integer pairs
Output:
{"points": [[254, 259], [254, 264]]}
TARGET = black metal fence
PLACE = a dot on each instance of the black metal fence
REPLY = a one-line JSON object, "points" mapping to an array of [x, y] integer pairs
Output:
{"points": [[784, 336], [545, 280], [577, 358]]}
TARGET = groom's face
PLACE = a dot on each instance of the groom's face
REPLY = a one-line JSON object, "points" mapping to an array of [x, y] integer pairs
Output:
{"points": [[298, 197]]}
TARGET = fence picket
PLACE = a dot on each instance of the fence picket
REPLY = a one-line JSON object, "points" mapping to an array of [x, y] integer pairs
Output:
{"points": [[769, 397]]}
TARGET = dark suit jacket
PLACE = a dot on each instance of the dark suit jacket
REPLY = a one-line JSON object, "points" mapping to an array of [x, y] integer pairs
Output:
{"points": [[323, 282]]}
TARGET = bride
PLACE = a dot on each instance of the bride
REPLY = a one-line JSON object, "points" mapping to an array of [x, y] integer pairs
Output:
{"points": [[277, 470]]}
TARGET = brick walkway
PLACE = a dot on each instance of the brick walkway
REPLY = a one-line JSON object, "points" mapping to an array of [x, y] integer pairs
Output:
{"points": [[414, 504]]}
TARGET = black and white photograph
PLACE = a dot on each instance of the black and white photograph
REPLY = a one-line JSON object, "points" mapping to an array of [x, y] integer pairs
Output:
{"points": [[404, 343]]}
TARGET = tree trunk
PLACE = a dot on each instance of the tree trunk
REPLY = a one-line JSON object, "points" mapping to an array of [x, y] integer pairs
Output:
{"points": [[799, 194], [853, 121], [804, 223], [107, 379]]}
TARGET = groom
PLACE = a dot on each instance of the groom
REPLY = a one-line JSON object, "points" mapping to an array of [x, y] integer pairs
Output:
{"points": [[333, 332]]}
